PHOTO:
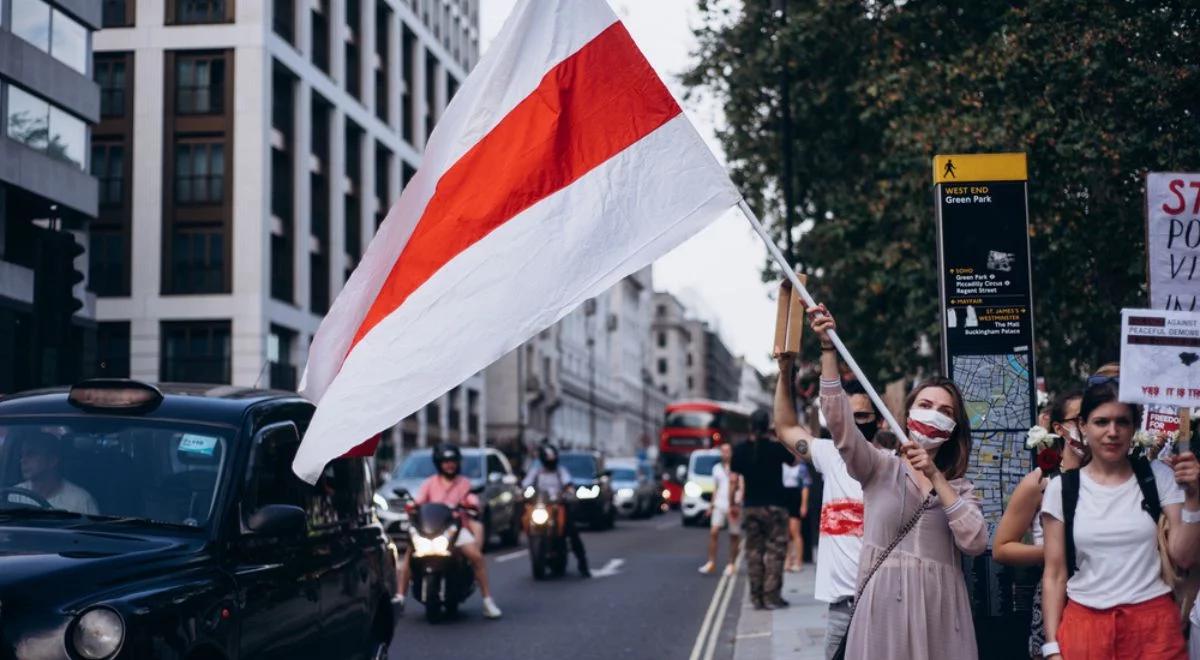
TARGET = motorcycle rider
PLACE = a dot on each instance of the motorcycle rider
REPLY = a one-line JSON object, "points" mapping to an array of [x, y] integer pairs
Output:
{"points": [[554, 480], [448, 486]]}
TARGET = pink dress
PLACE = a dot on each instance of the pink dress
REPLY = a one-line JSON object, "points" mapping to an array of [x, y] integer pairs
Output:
{"points": [[916, 606]]}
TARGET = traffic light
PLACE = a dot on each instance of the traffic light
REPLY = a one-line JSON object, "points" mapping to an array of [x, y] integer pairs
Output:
{"points": [[55, 277]]}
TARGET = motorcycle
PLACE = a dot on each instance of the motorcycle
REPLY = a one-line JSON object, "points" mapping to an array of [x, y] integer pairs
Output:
{"points": [[546, 528], [441, 576]]}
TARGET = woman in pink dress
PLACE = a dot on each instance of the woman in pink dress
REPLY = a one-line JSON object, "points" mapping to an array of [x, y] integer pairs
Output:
{"points": [[916, 604]]}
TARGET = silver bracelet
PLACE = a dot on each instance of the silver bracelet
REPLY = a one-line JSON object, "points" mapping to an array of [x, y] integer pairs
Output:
{"points": [[1190, 517], [1050, 648]]}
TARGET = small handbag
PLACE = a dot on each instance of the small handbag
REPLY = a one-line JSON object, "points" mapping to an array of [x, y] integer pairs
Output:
{"points": [[840, 654]]}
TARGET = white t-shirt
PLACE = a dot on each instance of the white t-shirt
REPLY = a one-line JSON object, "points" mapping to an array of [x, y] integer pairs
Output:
{"points": [[1116, 542], [841, 525], [68, 498], [721, 492]]}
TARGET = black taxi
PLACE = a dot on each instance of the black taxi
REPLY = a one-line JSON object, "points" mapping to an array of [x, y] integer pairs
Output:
{"points": [[143, 521]]}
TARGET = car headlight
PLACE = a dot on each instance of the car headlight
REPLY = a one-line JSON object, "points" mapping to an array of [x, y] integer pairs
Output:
{"points": [[666, 494], [587, 492], [625, 493], [692, 489], [437, 546], [381, 502], [98, 634], [529, 492], [540, 516]]}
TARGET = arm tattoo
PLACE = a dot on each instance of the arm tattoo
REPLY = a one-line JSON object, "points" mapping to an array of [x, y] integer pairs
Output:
{"points": [[801, 447]]}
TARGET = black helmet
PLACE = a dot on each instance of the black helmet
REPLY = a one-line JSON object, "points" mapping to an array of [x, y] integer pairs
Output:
{"points": [[548, 456], [447, 452]]}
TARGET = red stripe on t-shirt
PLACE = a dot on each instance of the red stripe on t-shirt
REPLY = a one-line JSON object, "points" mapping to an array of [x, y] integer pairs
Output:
{"points": [[842, 517], [587, 109]]}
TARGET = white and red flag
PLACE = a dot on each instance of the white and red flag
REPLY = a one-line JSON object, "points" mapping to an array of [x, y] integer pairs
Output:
{"points": [[562, 165]]}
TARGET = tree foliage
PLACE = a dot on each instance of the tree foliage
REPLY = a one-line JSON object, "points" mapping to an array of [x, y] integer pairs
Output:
{"points": [[1096, 93]]}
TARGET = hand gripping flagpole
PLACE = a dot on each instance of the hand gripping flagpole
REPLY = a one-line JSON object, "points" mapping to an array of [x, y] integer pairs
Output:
{"points": [[833, 337]]}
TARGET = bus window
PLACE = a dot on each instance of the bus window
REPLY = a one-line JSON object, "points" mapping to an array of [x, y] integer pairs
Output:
{"points": [[690, 419]]}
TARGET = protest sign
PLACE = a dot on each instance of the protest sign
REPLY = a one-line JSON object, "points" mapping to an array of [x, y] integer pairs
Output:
{"points": [[1173, 240], [1160, 357]]}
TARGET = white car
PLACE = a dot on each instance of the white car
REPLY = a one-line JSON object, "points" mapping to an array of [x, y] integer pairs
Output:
{"points": [[699, 485]]}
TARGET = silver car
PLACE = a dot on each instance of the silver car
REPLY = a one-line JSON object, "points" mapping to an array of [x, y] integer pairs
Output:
{"points": [[634, 491]]}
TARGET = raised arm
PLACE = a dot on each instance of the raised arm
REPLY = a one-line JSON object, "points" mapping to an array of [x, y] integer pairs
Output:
{"points": [[1008, 546], [1054, 578], [788, 429], [862, 459], [1183, 538]]}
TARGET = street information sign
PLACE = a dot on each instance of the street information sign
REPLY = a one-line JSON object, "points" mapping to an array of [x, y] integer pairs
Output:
{"points": [[1173, 240], [987, 324], [1160, 357]]}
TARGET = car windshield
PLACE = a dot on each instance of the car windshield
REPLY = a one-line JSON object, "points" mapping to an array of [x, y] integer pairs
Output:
{"points": [[420, 466], [581, 466], [159, 471], [702, 464], [624, 474]]}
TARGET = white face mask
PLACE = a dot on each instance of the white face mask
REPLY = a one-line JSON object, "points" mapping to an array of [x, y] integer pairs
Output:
{"points": [[929, 428], [1076, 441]]}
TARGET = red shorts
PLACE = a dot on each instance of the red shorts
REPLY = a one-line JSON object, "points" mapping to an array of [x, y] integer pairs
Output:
{"points": [[1148, 631]]}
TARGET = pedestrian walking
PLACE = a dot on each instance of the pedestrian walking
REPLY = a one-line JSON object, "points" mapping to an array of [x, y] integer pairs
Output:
{"points": [[758, 463], [841, 524], [796, 485], [920, 517], [1061, 449], [1103, 590], [726, 512]]}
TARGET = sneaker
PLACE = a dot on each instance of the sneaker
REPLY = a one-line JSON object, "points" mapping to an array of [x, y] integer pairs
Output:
{"points": [[709, 568], [584, 571], [398, 603], [759, 604], [730, 569], [776, 603], [490, 610]]}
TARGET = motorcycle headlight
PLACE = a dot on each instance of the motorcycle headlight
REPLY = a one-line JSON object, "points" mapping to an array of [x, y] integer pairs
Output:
{"points": [[529, 492], [423, 547], [587, 492], [625, 493], [98, 634], [692, 489], [540, 516]]}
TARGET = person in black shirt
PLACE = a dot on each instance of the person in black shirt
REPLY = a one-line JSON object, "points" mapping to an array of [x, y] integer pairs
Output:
{"points": [[760, 462]]}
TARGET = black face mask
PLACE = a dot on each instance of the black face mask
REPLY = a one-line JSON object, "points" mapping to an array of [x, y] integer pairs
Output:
{"points": [[868, 429]]}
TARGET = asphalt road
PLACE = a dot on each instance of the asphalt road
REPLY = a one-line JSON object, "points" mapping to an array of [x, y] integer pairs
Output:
{"points": [[647, 601]]}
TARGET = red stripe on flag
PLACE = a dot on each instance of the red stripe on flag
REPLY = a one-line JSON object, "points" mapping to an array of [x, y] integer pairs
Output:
{"points": [[587, 109]]}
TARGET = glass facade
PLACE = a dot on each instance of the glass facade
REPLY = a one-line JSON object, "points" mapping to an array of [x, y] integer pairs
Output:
{"points": [[38, 124], [52, 31]]}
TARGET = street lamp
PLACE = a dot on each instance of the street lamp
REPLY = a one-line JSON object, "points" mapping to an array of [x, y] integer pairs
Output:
{"points": [[589, 311]]}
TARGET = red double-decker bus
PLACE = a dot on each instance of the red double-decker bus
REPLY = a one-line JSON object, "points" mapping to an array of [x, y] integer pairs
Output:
{"points": [[691, 425]]}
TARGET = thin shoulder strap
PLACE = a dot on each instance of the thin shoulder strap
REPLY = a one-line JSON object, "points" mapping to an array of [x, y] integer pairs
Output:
{"points": [[908, 526], [1070, 499], [1145, 479]]}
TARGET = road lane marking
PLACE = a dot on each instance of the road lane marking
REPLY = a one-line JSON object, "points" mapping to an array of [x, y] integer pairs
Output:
{"points": [[714, 634], [511, 556], [610, 569], [754, 635], [702, 636]]}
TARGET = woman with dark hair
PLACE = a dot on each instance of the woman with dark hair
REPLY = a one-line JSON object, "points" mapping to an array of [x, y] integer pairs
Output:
{"points": [[920, 517], [1103, 593], [1058, 452]]}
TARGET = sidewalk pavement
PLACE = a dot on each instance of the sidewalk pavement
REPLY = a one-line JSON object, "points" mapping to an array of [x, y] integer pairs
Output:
{"points": [[795, 633]]}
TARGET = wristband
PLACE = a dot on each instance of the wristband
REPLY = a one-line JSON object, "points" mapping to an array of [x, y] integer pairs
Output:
{"points": [[1190, 517], [827, 347], [1050, 648]]}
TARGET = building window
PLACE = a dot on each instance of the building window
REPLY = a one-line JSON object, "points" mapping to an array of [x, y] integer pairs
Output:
{"points": [[320, 40], [662, 340], [108, 259], [318, 284], [197, 259], [192, 12], [689, 359], [383, 176], [383, 32], [283, 18], [110, 74], [662, 367], [112, 349], [691, 383], [199, 84], [195, 352], [108, 166], [52, 31], [42, 126], [431, 107], [117, 13], [408, 98], [199, 172], [353, 60], [279, 357]]}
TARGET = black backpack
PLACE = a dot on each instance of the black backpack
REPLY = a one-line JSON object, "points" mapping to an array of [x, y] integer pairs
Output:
{"points": [[1070, 494]]}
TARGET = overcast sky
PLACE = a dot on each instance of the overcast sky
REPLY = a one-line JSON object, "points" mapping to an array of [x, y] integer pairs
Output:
{"points": [[716, 273]]}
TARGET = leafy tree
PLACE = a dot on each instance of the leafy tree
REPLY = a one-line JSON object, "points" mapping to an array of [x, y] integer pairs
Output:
{"points": [[1096, 94]]}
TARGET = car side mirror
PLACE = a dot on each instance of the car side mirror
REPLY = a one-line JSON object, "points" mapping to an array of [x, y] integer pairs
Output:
{"points": [[495, 477], [681, 473], [509, 480], [279, 520]]}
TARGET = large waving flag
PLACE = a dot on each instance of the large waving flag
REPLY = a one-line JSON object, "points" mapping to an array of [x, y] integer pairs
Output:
{"points": [[562, 165]]}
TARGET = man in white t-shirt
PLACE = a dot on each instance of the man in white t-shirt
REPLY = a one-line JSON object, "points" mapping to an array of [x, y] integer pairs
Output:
{"points": [[41, 459], [840, 541], [726, 512]]}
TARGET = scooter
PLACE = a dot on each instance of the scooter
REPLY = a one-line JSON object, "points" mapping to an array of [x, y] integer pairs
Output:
{"points": [[546, 527], [441, 576]]}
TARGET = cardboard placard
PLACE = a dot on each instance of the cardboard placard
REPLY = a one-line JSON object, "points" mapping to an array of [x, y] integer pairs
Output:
{"points": [[789, 318], [781, 316]]}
